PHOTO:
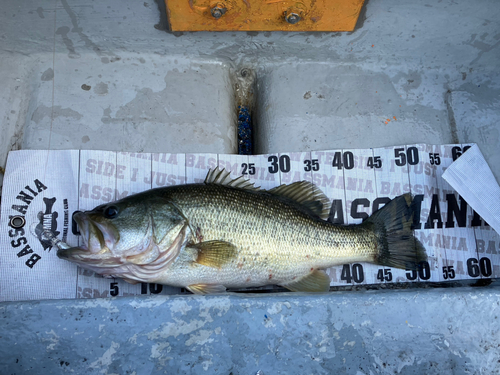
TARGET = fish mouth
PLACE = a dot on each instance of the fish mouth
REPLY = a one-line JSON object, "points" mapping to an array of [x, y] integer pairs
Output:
{"points": [[96, 236], [95, 253]]}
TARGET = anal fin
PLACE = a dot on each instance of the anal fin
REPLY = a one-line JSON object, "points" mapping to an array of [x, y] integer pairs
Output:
{"points": [[317, 281], [214, 253], [206, 288]]}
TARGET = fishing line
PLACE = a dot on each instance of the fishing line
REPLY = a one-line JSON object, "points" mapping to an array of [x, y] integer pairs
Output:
{"points": [[51, 122]]}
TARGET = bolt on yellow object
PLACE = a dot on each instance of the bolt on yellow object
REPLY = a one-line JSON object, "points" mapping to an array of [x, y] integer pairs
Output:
{"points": [[263, 15]]}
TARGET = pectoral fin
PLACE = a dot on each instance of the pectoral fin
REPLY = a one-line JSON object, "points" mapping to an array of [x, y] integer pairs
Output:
{"points": [[214, 253], [206, 288], [316, 281]]}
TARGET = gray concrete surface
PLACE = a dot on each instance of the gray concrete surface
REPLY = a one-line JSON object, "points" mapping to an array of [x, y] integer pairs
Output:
{"points": [[381, 332], [152, 109], [106, 75]]}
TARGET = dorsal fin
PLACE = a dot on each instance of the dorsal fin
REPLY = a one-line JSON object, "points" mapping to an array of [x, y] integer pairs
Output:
{"points": [[221, 177], [307, 195]]}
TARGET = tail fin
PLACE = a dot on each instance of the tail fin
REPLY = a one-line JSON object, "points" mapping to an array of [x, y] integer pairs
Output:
{"points": [[397, 245]]}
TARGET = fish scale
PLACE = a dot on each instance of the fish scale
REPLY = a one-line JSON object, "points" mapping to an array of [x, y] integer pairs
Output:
{"points": [[270, 234]]}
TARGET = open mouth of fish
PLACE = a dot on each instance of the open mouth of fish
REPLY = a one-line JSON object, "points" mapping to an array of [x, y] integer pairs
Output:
{"points": [[97, 242], [140, 263]]}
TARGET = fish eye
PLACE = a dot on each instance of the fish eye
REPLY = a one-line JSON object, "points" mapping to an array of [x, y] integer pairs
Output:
{"points": [[111, 212]]}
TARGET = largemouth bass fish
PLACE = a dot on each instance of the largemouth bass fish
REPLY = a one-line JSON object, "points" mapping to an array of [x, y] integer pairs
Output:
{"points": [[226, 233]]}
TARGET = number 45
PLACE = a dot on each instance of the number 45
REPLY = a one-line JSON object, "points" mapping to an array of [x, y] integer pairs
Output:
{"points": [[374, 162], [384, 274]]}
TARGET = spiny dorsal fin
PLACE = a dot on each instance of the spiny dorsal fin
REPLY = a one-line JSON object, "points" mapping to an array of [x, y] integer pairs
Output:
{"points": [[221, 177], [214, 253], [316, 281], [306, 194]]}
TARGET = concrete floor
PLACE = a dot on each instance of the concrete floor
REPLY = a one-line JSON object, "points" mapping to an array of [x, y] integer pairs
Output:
{"points": [[106, 75], [380, 332]]}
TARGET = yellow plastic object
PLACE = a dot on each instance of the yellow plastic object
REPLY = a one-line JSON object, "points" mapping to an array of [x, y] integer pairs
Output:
{"points": [[263, 15]]}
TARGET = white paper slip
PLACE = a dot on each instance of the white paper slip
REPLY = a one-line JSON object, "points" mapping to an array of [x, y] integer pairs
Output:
{"points": [[472, 178], [42, 190]]}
